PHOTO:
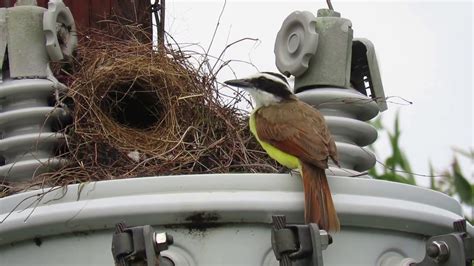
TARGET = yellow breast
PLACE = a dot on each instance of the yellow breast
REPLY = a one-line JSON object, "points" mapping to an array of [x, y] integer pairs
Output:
{"points": [[281, 157]]}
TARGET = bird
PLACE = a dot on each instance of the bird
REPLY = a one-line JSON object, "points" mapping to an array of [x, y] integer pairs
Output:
{"points": [[295, 135]]}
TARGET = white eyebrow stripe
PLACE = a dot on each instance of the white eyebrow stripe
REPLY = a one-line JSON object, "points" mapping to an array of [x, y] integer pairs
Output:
{"points": [[268, 76], [278, 76]]}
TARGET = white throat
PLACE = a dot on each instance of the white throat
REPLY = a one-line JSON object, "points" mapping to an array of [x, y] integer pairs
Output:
{"points": [[263, 98]]}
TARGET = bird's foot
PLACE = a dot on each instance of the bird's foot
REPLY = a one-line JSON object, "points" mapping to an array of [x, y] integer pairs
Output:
{"points": [[294, 173], [284, 170]]}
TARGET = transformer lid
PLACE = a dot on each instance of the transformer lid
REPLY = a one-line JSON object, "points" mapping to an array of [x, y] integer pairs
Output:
{"points": [[222, 198]]}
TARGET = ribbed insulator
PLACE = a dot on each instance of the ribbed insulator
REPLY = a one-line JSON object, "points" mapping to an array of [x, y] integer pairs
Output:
{"points": [[28, 141], [346, 111]]}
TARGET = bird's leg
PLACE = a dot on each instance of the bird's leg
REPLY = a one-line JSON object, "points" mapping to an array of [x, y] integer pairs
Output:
{"points": [[294, 172], [283, 169], [291, 172]]}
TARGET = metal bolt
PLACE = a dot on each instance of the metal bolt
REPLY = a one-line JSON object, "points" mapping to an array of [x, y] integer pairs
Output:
{"points": [[329, 239], [160, 238], [162, 241], [438, 251], [326, 239], [169, 239], [432, 251]]}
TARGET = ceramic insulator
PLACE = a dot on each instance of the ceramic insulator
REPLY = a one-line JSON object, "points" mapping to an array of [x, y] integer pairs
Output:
{"points": [[346, 112], [28, 141]]}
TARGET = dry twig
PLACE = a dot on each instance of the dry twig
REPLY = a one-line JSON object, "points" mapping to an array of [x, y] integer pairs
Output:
{"points": [[140, 112]]}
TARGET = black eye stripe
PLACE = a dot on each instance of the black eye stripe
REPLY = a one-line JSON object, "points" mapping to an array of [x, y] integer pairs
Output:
{"points": [[272, 87]]}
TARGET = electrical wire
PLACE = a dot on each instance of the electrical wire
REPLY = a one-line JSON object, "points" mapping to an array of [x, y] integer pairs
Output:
{"points": [[330, 5]]}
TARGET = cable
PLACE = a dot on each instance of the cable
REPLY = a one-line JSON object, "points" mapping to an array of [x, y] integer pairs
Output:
{"points": [[329, 5]]}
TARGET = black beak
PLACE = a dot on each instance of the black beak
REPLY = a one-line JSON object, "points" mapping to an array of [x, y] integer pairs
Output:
{"points": [[242, 83]]}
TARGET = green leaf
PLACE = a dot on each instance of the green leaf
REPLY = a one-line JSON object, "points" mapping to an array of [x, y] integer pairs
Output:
{"points": [[395, 178], [472, 197], [388, 177], [462, 186], [377, 123], [432, 178], [405, 165], [390, 165], [466, 153], [373, 172], [398, 169], [397, 124]]}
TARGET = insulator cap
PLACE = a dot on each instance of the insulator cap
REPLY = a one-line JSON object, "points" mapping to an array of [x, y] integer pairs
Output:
{"points": [[296, 43]]}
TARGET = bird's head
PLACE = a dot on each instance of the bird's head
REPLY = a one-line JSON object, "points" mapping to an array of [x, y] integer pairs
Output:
{"points": [[266, 88]]}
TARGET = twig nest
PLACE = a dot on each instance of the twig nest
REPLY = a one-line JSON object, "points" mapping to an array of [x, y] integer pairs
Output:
{"points": [[134, 98], [141, 112]]}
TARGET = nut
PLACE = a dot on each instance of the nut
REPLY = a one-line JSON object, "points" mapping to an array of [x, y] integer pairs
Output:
{"points": [[438, 251], [160, 238]]}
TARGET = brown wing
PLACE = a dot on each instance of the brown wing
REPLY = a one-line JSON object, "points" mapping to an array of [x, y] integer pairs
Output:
{"points": [[297, 129]]}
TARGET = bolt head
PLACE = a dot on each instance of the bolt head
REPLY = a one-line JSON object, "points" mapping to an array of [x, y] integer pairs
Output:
{"points": [[162, 241], [432, 251], [160, 238], [326, 239], [438, 251]]}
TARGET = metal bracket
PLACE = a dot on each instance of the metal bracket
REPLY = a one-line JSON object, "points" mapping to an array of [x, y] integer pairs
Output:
{"points": [[3, 40], [139, 245], [298, 245], [365, 73], [454, 249], [159, 6], [60, 31]]}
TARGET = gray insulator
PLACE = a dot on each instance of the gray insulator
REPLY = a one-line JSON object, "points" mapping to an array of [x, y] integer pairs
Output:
{"points": [[3, 39], [331, 64], [28, 142], [58, 13], [296, 43], [345, 111], [27, 54]]}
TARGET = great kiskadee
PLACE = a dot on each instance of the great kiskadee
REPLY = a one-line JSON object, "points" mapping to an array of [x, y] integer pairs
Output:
{"points": [[296, 135]]}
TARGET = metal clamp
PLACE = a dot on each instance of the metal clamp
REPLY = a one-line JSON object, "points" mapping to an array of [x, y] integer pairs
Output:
{"points": [[365, 73], [139, 245], [452, 249], [159, 7], [298, 245], [59, 30]]}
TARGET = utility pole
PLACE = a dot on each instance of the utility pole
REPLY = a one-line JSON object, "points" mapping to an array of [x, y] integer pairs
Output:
{"points": [[89, 13], [158, 9]]}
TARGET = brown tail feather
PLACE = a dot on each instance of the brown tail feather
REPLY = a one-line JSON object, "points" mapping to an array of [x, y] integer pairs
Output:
{"points": [[318, 204]]}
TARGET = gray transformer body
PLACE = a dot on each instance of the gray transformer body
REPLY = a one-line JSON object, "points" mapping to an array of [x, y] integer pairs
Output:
{"points": [[220, 219]]}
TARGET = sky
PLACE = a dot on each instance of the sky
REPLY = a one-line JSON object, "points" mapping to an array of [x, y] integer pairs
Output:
{"points": [[424, 50]]}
